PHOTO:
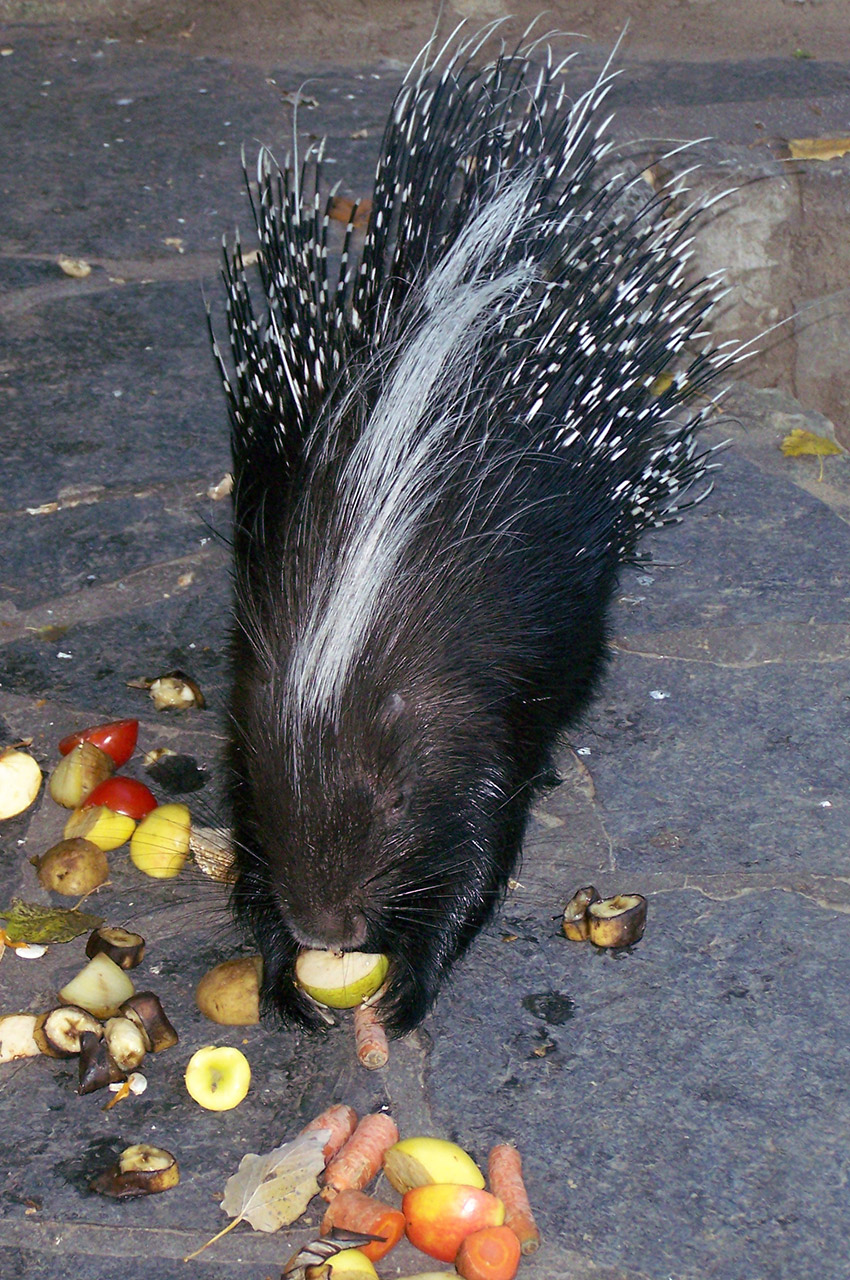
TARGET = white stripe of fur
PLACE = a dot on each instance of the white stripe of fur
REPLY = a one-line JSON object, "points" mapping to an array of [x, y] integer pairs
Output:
{"points": [[394, 471]]}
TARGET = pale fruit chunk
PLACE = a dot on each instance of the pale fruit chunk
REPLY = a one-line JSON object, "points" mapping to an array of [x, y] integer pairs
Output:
{"points": [[101, 826], [101, 987], [351, 1264], [230, 993], [20, 782], [414, 1162], [78, 773], [16, 1037], [618, 921], [340, 979], [160, 843], [218, 1077], [141, 1170]]}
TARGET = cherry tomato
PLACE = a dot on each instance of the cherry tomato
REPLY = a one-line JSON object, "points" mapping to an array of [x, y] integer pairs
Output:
{"points": [[122, 795], [117, 739]]}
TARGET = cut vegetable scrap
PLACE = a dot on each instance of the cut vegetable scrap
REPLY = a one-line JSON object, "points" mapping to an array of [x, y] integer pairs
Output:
{"points": [[505, 1174], [490, 1254], [370, 1038], [355, 1211], [340, 1121], [362, 1156]]}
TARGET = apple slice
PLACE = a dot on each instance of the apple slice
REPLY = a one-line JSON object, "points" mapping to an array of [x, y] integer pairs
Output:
{"points": [[100, 987], [414, 1162], [340, 979], [218, 1077], [78, 773], [117, 739], [101, 826], [20, 782], [160, 843], [440, 1216]]}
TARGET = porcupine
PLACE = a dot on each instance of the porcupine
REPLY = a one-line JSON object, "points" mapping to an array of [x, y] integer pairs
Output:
{"points": [[442, 455]]}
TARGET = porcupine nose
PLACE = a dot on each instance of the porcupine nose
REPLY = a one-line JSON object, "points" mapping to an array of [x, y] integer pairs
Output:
{"points": [[334, 928]]}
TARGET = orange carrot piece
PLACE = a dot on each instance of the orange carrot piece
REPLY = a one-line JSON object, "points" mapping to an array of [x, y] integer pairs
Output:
{"points": [[373, 1051], [354, 1211], [340, 1121], [362, 1156], [505, 1176], [493, 1253]]}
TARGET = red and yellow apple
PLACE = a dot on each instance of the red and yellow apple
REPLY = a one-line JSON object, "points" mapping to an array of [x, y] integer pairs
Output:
{"points": [[439, 1216]]}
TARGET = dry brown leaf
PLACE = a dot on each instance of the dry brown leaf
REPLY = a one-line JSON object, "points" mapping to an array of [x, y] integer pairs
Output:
{"points": [[818, 148], [273, 1190]]}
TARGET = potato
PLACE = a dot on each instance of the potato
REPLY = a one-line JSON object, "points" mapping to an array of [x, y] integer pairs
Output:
{"points": [[101, 987], [72, 867], [230, 993]]}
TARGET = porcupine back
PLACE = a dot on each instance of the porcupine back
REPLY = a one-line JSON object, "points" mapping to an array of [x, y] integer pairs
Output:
{"points": [[441, 456]]}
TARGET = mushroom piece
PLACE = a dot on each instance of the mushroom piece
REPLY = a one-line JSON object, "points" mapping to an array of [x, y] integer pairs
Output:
{"points": [[141, 1170], [97, 1066], [59, 1033], [126, 1042], [145, 1010], [618, 921], [126, 949], [575, 925]]}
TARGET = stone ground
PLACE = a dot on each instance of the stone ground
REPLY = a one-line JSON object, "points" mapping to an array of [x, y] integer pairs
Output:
{"points": [[682, 1107]]}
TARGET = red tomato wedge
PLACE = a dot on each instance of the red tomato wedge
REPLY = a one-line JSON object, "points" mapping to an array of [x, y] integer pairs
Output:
{"points": [[122, 795], [117, 739]]}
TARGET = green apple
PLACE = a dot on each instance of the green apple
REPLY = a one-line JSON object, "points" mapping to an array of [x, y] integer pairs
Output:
{"points": [[340, 979]]}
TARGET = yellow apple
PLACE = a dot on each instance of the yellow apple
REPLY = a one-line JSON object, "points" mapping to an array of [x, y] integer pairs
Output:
{"points": [[20, 782], [101, 826], [160, 843], [351, 1264], [218, 1077], [340, 979], [414, 1162]]}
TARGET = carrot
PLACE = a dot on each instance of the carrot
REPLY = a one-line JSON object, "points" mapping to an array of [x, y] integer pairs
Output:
{"points": [[362, 1156], [505, 1176], [354, 1211], [340, 1121], [370, 1038], [493, 1253]]}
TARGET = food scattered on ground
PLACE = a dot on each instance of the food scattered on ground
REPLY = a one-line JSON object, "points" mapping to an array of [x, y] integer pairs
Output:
{"points": [[20, 782], [370, 1038], [362, 1156], [229, 994], [414, 1162], [439, 1216], [575, 925], [340, 1121], [59, 1033], [102, 826], [618, 921], [17, 1037], [504, 1172], [218, 1077], [351, 1264], [176, 691], [72, 867], [101, 987], [212, 850], [340, 980], [124, 948], [97, 1067], [144, 1008], [355, 1211], [126, 1042], [490, 1254], [117, 738], [78, 773], [141, 1170], [160, 843], [122, 795]]}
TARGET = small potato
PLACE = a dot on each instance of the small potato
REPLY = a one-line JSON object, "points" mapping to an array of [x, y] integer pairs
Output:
{"points": [[230, 993], [72, 867]]}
